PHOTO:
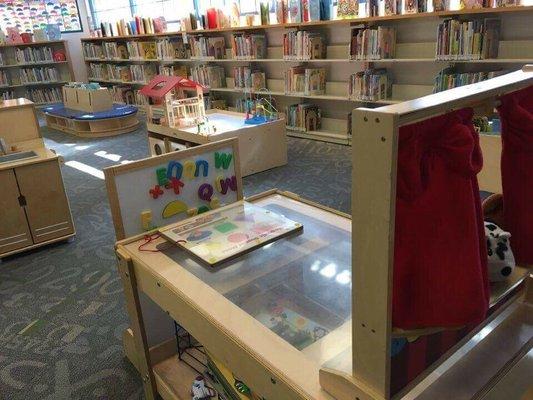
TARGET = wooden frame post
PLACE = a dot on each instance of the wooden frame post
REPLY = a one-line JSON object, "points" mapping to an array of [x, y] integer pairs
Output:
{"points": [[131, 293], [373, 212]]}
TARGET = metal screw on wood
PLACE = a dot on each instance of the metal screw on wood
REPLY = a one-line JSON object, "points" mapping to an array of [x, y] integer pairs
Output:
{"points": [[158, 284], [273, 381]]}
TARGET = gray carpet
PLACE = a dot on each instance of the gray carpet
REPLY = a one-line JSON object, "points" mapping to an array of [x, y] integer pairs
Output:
{"points": [[70, 293]]}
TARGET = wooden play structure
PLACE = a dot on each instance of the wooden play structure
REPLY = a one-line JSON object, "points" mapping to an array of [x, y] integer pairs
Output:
{"points": [[88, 111], [173, 107], [34, 207], [354, 352]]}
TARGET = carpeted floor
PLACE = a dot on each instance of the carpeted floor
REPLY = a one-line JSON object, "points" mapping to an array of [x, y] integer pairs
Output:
{"points": [[61, 307]]}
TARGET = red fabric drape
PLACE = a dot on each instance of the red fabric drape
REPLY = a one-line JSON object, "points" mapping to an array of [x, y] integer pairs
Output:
{"points": [[516, 113], [440, 260]]}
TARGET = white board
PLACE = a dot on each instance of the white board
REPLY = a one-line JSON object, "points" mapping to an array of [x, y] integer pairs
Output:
{"points": [[173, 186]]}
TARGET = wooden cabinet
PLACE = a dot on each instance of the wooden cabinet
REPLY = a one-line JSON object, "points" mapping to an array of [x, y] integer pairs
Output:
{"points": [[14, 229], [46, 204], [34, 208]]}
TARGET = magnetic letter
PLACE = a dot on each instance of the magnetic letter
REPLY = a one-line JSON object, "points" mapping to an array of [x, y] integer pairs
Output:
{"points": [[222, 160], [228, 183], [189, 168], [205, 192], [161, 174], [174, 165], [218, 186], [156, 191], [205, 169]]}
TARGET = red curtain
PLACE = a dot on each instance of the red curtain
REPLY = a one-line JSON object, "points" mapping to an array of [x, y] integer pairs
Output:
{"points": [[516, 113], [440, 260]]}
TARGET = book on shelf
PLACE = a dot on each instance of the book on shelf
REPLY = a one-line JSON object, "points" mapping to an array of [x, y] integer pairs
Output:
{"points": [[246, 46], [4, 79], [410, 6], [304, 45], [303, 117], [347, 9], [370, 85], [173, 48], [212, 76], [47, 95], [133, 49], [27, 55], [295, 11], [98, 71], [53, 32], [248, 79], [2, 61], [307, 81], [468, 40], [207, 47], [392, 7], [373, 43], [7, 95], [123, 94], [35, 75], [450, 78], [3, 37], [39, 35], [148, 50], [441, 5], [13, 35], [92, 50], [174, 70]]}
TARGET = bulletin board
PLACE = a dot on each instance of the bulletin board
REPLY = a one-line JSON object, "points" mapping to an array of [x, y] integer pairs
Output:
{"points": [[173, 186]]}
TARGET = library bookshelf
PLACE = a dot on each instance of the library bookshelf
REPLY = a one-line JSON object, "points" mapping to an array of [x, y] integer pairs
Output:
{"points": [[413, 68], [29, 70]]}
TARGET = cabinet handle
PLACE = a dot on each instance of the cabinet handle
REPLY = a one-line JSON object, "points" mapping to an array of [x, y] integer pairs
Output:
{"points": [[22, 201]]}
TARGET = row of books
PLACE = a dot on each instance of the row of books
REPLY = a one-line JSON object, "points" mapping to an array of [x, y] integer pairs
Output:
{"points": [[174, 70], [248, 79], [468, 40], [304, 45], [370, 85], [308, 81], [13, 35], [4, 81], [172, 48], [212, 76], [44, 74], [46, 95], [33, 54], [449, 78], [248, 46], [373, 43], [7, 95], [137, 26], [123, 73], [207, 47], [303, 117]]}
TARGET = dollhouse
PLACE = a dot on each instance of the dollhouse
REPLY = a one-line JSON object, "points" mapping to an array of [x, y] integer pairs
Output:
{"points": [[174, 106]]}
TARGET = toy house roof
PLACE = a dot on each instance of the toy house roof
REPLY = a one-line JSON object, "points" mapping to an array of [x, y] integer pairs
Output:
{"points": [[160, 85]]}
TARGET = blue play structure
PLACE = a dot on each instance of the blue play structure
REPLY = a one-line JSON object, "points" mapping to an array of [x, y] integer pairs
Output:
{"points": [[118, 110]]}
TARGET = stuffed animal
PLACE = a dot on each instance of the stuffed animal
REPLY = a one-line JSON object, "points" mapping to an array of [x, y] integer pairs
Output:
{"points": [[501, 259]]}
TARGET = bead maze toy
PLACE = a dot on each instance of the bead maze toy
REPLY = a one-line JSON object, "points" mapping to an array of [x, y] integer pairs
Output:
{"points": [[88, 111], [261, 110]]}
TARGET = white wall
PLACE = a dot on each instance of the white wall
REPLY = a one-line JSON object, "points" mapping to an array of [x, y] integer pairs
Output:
{"points": [[74, 44]]}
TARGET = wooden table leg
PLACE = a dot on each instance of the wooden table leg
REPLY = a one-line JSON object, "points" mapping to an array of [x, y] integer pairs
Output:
{"points": [[131, 293]]}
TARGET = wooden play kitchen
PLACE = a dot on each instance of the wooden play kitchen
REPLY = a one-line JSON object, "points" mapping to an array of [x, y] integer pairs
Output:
{"points": [[90, 114], [349, 348], [34, 209]]}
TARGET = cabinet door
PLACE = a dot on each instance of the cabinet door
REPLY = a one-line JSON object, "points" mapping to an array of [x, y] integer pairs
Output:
{"points": [[14, 231], [47, 205]]}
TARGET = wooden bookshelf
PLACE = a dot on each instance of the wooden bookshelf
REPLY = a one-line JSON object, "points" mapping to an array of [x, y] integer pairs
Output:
{"points": [[12, 68], [388, 18], [413, 69]]}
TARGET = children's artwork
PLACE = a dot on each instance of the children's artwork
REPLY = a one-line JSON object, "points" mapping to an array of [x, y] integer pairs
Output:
{"points": [[158, 191], [224, 234]]}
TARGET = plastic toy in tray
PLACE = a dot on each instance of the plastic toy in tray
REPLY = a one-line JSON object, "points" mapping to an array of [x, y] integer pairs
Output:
{"points": [[230, 231]]}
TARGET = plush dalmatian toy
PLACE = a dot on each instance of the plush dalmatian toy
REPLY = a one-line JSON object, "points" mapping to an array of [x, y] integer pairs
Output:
{"points": [[501, 258]]}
